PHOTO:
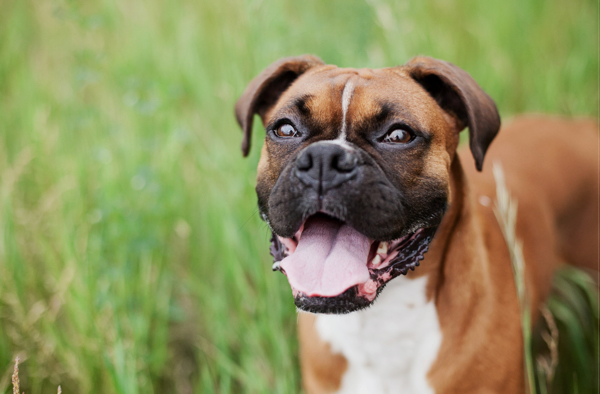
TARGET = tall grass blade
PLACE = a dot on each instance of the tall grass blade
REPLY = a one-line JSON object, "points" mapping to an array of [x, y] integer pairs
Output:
{"points": [[573, 304], [565, 342], [505, 210], [15, 378]]}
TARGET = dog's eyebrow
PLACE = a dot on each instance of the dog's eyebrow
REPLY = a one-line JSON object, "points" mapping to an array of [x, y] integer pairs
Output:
{"points": [[391, 110], [299, 103], [384, 112], [297, 106]]}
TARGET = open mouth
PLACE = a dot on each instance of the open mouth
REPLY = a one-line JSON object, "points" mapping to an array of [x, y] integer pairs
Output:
{"points": [[332, 268]]}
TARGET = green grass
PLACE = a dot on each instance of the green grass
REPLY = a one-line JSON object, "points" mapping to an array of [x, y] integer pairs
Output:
{"points": [[505, 210], [561, 350], [573, 305], [131, 256]]}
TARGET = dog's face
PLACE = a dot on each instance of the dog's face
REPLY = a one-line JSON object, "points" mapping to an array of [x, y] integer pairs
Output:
{"points": [[354, 174]]}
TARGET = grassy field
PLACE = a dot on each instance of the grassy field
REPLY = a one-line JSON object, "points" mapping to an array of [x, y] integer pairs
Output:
{"points": [[132, 259]]}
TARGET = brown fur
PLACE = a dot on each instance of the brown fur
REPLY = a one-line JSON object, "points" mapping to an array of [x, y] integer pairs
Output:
{"points": [[468, 265], [322, 370], [551, 169]]}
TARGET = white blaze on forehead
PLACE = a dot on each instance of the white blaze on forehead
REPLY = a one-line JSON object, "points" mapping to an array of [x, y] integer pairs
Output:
{"points": [[346, 96]]}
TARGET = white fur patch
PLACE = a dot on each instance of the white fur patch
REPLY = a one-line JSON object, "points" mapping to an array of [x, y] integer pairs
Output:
{"points": [[346, 96], [485, 201], [390, 346], [342, 143]]}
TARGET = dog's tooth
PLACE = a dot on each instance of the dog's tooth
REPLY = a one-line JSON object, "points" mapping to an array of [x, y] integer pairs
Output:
{"points": [[382, 248], [376, 260]]}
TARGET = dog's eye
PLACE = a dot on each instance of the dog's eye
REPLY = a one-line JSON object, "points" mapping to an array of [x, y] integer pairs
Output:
{"points": [[286, 131], [398, 136]]}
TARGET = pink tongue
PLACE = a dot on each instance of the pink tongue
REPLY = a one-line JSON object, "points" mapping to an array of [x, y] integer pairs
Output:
{"points": [[330, 258]]}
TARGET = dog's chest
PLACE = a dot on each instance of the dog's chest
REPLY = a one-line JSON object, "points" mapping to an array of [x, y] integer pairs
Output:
{"points": [[390, 346]]}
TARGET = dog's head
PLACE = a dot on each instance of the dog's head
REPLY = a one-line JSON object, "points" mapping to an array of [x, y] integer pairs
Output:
{"points": [[354, 174]]}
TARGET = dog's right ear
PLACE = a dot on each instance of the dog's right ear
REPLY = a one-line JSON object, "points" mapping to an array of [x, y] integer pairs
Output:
{"points": [[264, 91]]}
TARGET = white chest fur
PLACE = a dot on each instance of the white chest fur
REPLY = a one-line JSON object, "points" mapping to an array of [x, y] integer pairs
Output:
{"points": [[391, 346]]}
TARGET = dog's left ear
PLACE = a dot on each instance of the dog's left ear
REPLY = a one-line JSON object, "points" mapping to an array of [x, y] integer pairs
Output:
{"points": [[459, 95], [264, 91]]}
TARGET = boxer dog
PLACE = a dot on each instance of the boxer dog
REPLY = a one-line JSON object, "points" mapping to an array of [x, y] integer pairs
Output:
{"points": [[387, 236]]}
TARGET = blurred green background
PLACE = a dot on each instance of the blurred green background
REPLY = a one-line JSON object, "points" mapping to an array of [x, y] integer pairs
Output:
{"points": [[132, 258]]}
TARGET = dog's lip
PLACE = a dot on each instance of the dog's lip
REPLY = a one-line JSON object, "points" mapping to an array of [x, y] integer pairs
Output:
{"points": [[361, 296], [328, 257], [292, 243], [402, 254], [379, 272]]}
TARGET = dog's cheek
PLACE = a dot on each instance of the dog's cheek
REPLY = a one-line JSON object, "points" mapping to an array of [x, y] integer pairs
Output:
{"points": [[262, 193], [288, 203], [432, 196], [268, 173], [426, 202], [421, 179], [263, 163], [265, 181], [369, 203], [378, 214]]}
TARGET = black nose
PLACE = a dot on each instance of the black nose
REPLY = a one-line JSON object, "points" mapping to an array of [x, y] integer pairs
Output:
{"points": [[325, 165]]}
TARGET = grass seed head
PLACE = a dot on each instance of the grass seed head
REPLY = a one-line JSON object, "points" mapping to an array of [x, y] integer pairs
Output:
{"points": [[15, 377]]}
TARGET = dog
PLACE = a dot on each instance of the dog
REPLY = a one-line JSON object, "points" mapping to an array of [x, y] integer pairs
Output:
{"points": [[387, 234]]}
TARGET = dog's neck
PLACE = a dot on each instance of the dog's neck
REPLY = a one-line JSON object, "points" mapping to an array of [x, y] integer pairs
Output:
{"points": [[395, 342], [460, 208], [389, 346], [461, 226]]}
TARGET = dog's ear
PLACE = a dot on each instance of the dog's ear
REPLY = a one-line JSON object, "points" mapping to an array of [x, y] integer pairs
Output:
{"points": [[459, 95], [264, 91]]}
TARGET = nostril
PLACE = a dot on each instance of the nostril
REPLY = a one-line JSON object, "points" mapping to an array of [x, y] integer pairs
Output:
{"points": [[304, 162], [344, 162], [325, 165]]}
